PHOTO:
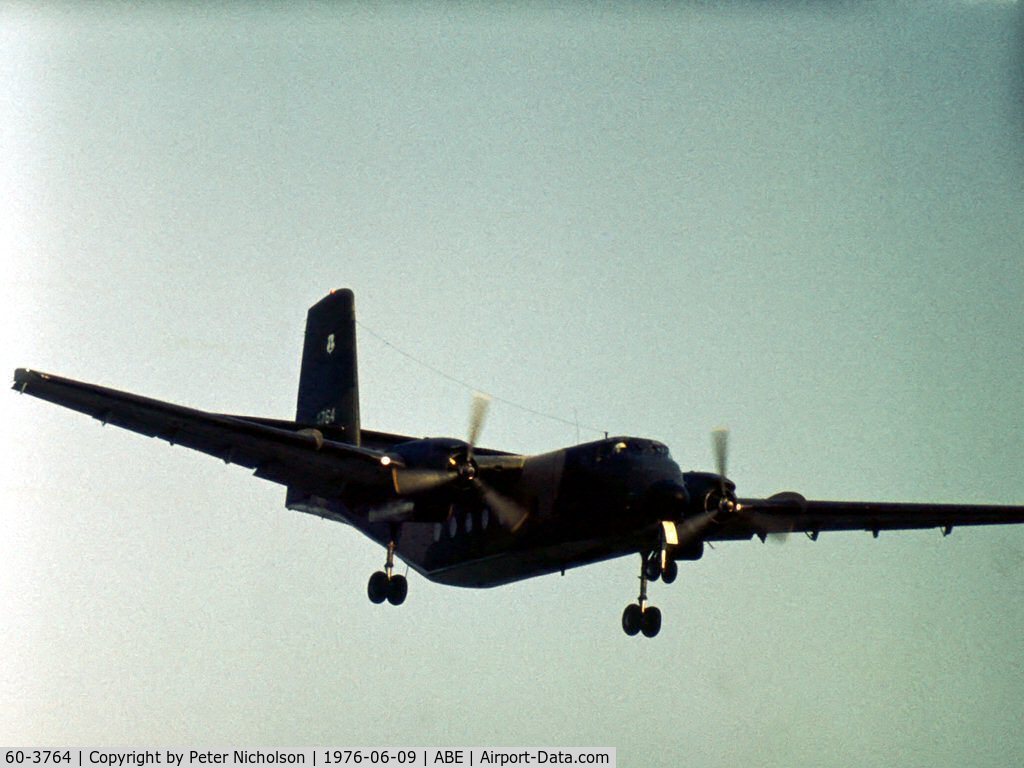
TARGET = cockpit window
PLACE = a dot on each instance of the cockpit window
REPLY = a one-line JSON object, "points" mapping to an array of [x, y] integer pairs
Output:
{"points": [[615, 447]]}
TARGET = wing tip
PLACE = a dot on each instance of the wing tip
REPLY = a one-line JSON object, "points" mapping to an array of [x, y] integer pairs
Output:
{"points": [[22, 377]]}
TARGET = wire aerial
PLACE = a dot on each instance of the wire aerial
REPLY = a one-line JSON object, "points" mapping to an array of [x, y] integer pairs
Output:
{"points": [[465, 384]]}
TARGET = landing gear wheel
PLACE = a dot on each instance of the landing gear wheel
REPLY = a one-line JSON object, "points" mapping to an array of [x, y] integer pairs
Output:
{"points": [[670, 572], [397, 589], [652, 568], [639, 616], [650, 621], [632, 618], [378, 587]]}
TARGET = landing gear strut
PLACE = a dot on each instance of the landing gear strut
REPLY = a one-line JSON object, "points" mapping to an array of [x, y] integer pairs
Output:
{"points": [[640, 617], [387, 585]]}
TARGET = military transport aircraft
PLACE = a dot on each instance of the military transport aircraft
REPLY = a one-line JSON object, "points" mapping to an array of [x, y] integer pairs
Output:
{"points": [[468, 516]]}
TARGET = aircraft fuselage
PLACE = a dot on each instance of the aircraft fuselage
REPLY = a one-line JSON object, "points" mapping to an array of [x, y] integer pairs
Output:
{"points": [[587, 503]]}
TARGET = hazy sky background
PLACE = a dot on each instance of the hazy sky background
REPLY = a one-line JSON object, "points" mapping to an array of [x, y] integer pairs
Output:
{"points": [[802, 220]]}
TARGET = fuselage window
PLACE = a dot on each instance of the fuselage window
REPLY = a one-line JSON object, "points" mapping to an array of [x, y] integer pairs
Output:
{"points": [[469, 522], [485, 515], [453, 526], [437, 531]]}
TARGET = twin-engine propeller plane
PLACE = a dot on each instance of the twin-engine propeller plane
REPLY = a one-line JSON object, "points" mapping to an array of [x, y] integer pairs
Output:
{"points": [[469, 516]]}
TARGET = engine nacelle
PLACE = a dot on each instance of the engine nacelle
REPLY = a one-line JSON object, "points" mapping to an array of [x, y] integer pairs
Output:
{"points": [[440, 454], [691, 550]]}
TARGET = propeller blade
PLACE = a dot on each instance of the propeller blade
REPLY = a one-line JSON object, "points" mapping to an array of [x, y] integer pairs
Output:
{"points": [[510, 513], [691, 528], [720, 443], [477, 414], [409, 482], [770, 527], [775, 517], [773, 526]]}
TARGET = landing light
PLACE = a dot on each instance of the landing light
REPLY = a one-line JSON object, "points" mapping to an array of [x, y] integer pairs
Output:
{"points": [[385, 460]]}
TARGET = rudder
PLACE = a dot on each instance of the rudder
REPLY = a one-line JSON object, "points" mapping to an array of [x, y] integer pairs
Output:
{"points": [[328, 379]]}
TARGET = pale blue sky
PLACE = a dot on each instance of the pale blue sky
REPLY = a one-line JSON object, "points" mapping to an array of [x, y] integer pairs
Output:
{"points": [[800, 220]]}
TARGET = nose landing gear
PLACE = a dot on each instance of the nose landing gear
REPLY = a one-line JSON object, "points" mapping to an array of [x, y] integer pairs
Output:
{"points": [[386, 585]]}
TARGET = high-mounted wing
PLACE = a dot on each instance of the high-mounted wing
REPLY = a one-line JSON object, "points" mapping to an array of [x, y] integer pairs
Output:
{"points": [[283, 452], [382, 442], [792, 512]]}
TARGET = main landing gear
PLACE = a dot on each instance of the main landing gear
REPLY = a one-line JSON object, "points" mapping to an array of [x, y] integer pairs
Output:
{"points": [[639, 616], [387, 585]]}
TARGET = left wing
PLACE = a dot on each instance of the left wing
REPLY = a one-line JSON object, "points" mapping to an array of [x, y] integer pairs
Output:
{"points": [[790, 511], [284, 452]]}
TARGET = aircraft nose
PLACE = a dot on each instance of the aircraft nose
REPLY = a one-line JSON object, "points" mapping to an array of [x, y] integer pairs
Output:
{"points": [[668, 500]]}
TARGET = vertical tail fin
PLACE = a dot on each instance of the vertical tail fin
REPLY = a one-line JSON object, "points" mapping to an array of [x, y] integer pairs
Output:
{"points": [[328, 380]]}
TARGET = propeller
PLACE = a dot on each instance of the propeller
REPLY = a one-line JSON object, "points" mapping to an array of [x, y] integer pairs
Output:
{"points": [[410, 481], [510, 513], [771, 526], [477, 414], [720, 446]]}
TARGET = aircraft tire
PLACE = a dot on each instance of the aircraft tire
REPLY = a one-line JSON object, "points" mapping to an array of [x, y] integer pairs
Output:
{"points": [[397, 588], [652, 568], [631, 619], [670, 572], [377, 588], [650, 623]]}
